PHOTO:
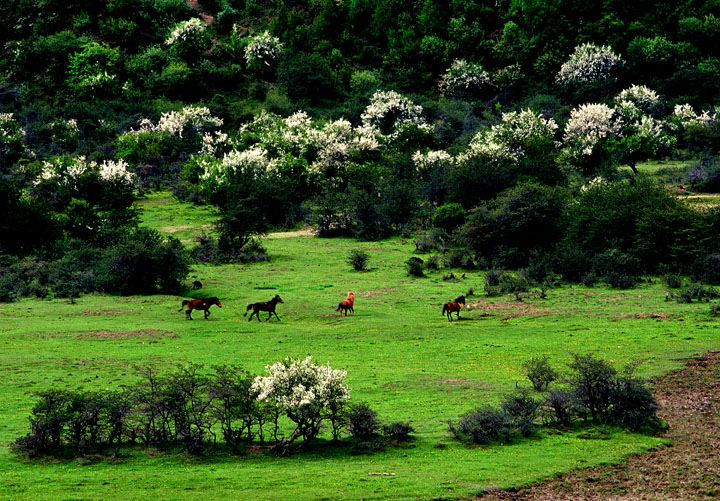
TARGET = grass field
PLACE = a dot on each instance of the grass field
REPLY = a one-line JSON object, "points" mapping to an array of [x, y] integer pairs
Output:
{"points": [[402, 356]]}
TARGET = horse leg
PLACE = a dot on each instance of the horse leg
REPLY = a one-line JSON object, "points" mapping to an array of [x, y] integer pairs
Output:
{"points": [[207, 313], [188, 314], [275, 313]]}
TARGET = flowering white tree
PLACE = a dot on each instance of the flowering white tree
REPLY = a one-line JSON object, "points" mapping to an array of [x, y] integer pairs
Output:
{"points": [[263, 51], [188, 38], [589, 63], [587, 132], [643, 97], [464, 77], [307, 393], [388, 111], [513, 138]]}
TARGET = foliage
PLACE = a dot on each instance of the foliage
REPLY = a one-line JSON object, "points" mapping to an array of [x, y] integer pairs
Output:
{"points": [[363, 422], [358, 259], [94, 70], [589, 63], [415, 266], [539, 372], [483, 425], [304, 391]]}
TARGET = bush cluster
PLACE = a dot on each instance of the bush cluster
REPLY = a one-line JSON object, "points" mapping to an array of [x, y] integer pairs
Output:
{"points": [[594, 392], [197, 409]]}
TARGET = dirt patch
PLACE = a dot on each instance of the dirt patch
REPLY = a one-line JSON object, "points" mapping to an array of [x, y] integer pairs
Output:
{"points": [[646, 315], [515, 309], [374, 292], [304, 232], [100, 334], [104, 312], [690, 402]]}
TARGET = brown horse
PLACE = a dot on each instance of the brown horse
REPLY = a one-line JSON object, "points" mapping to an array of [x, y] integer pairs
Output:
{"points": [[199, 304], [453, 307], [347, 304], [269, 307]]}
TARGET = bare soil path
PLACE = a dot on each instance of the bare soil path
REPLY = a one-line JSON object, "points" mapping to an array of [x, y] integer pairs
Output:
{"points": [[690, 469]]}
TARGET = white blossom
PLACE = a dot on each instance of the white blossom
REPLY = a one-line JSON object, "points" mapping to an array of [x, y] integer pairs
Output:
{"points": [[685, 115], [213, 143], [263, 50], [509, 140], [588, 126], [300, 386], [388, 111], [11, 135], [185, 30], [588, 63], [111, 170], [176, 122], [464, 76], [643, 97], [431, 160]]}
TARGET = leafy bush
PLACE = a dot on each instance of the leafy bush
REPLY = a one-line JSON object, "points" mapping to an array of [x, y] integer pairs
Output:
{"points": [[415, 266], [539, 372], [358, 259], [433, 262], [592, 381], [633, 405], [695, 292], [521, 408], [561, 406], [362, 422], [673, 281], [399, 431], [706, 269], [482, 426]]}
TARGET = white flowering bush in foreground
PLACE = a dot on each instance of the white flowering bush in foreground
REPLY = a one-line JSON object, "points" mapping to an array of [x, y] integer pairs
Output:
{"points": [[464, 76], [589, 63], [263, 51], [12, 137], [431, 160], [307, 393], [684, 116], [512, 138], [234, 166]]}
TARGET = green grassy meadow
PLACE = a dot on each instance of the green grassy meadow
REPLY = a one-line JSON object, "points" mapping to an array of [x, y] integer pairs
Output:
{"points": [[402, 356]]}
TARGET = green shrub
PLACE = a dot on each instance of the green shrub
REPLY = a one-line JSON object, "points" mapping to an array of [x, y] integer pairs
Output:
{"points": [[482, 426], [358, 259], [539, 372], [362, 421], [521, 409], [415, 266], [399, 431]]}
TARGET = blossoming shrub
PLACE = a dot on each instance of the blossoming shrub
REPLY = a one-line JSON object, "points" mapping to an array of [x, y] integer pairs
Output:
{"points": [[586, 134], [262, 52], [465, 77], [589, 63], [307, 393], [188, 39]]}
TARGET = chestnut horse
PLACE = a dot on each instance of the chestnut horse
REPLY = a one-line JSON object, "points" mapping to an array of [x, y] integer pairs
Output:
{"points": [[269, 307], [453, 307], [199, 304], [347, 304]]}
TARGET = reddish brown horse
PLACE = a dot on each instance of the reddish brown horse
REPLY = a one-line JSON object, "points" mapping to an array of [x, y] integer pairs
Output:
{"points": [[268, 306], [347, 304], [199, 304], [453, 307]]}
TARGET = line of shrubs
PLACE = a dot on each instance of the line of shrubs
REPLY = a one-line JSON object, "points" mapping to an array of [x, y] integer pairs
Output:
{"points": [[593, 393], [191, 408]]}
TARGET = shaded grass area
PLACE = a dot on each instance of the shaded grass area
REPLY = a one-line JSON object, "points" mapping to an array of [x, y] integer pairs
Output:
{"points": [[402, 356]]}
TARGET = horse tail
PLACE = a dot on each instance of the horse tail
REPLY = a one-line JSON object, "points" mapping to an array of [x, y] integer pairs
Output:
{"points": [[247, 309], [185, 301], [445, 309], [339, 306]]}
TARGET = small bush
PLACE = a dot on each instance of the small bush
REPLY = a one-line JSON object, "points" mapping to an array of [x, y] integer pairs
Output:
{"points": [[588, 279], [539, 372], [673, 281], [715, 310], [618, 280], [482, 426], [433, 262], [706, 269], [522, 410], [399, 431], [362, 421], [415, 266], [358, 259], [633, 405], [560, 405], [696, 292]]}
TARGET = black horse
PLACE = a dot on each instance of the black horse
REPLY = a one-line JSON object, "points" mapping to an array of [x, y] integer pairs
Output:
{"points": [[268, 306], [453, 307]]}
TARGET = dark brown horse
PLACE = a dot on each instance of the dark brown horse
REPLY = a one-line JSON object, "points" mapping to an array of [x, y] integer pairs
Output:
{"points": [[269, 307], [453, 307], [199, 304], [347, 304]]}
